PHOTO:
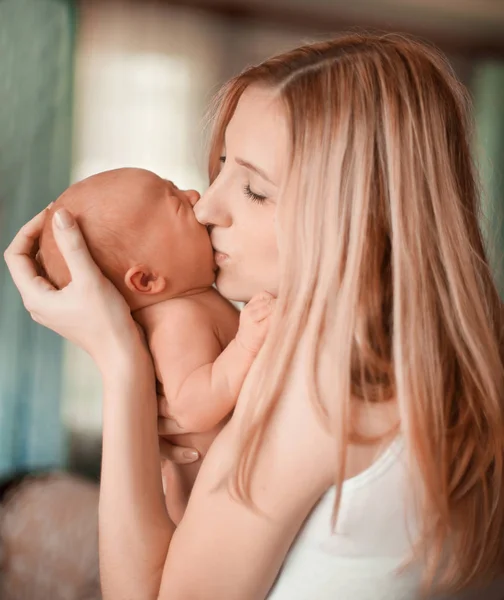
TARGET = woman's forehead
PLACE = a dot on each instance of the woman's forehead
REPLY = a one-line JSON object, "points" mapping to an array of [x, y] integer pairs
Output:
{"points": [[258, 130], [258, 107]]}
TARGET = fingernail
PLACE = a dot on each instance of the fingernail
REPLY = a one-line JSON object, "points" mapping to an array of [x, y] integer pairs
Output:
{"points": [[64, 219], [191, 455], [49, 206]]}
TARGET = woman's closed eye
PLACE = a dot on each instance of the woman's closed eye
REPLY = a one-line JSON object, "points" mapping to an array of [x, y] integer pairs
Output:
{"points": [[252, 195], [259, 198]]}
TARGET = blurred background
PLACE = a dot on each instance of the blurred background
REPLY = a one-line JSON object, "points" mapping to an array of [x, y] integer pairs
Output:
{"points": [[97, 84]]}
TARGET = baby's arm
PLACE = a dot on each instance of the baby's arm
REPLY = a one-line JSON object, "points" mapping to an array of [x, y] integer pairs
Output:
{"points": [[201, 382]]}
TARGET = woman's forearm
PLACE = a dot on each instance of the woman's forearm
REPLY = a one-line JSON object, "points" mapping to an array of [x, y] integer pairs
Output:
{"points": [[135, 530]]}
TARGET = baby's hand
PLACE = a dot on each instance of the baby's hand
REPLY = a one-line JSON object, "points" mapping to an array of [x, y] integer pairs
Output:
{"points": [[254, 322]]}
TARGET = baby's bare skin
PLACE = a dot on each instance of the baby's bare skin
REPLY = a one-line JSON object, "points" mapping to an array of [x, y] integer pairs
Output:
{"points": [[195, 392], [142, 232]]}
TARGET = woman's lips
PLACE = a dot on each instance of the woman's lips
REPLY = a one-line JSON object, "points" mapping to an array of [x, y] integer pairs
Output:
{"points": [[220, 257]]}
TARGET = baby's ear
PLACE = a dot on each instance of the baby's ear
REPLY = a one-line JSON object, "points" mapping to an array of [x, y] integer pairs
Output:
{"points": [[140, 279]]}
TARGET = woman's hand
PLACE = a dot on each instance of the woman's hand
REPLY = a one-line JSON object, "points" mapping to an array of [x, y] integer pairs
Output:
{"points": [[90, 311]]}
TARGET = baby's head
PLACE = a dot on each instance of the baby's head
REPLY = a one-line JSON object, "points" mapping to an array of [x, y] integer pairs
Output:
{"points": [[142, 233]]}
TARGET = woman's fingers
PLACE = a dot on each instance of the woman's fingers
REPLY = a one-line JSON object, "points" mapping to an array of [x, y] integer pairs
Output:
{"points": [[177, 454], [90, 311], [168, 426], [73, 247], [20, 253]]}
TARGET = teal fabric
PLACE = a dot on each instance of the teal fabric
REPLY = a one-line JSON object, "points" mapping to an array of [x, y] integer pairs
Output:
{"points": [[489, 104], [36, 64]]}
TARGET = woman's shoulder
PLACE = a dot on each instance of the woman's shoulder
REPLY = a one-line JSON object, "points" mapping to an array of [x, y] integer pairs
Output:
{"points": [[296, 428], [288, 477]]}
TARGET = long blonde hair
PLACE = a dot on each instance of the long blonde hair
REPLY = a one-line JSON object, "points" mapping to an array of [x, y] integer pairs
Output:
{"points": [[383, 267]]}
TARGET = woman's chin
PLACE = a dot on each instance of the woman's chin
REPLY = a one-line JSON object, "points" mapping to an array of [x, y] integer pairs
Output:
{"points": [[231, 289]]}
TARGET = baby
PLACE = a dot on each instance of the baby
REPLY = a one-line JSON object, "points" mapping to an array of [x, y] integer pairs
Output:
{"points": [[142, 233]]}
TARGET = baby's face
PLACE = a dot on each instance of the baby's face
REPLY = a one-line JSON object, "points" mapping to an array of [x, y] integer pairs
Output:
{"points": [[179, 244]]}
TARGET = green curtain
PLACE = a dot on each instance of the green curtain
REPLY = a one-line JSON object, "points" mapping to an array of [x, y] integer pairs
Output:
{"points": [[488, 90], [36, 64]]}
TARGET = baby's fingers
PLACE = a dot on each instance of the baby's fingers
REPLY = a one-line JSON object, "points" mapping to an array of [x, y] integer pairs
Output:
{"points": [[260, 299], [261, 311]]}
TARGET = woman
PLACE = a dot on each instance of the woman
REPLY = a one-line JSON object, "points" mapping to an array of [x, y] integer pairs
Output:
{"points": [[341, 182]]}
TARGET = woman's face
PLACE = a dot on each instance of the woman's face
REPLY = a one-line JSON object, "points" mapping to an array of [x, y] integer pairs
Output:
{"points": [[239, 207]]}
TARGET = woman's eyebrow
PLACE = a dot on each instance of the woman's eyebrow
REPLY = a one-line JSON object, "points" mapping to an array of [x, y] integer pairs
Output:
{"points": [[255, 169]]}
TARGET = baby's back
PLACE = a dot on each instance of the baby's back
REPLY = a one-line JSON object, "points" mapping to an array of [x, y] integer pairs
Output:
{"points": [[212, 324], [223, 315], [186, 336], [223, 320]]}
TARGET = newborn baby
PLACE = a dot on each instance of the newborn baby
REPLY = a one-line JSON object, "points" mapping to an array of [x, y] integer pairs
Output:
{"points": [[142, 233]]}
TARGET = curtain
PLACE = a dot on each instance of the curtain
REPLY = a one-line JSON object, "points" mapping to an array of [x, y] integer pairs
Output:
{"points": [[36, 56], [489, 104]]}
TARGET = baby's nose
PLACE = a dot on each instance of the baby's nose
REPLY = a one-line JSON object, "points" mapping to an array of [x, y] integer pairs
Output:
{"points": [[193, 196]]}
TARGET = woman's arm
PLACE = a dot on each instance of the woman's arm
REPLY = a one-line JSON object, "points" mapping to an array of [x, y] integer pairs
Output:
{"points": [[221, 549], [135, 530]]}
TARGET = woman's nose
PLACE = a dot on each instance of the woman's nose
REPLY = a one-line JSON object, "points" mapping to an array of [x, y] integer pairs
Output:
{"points": [[200, 211], [212, 209]]}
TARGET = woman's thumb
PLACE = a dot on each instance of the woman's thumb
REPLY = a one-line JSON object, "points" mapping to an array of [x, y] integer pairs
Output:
{"points": [[72, 245]]}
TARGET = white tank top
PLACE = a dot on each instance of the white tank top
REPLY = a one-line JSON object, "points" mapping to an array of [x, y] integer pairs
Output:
{"points": [[373, 538]]}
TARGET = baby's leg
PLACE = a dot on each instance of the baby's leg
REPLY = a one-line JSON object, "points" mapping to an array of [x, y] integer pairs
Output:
{"points": [[178, 480], [176, 490]]}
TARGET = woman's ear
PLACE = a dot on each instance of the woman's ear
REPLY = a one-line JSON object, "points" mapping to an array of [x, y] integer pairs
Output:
{"points": [[140, 279]]}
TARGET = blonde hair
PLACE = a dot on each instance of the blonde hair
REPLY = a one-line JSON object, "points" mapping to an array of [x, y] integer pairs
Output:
{"points": [[397, 288]]}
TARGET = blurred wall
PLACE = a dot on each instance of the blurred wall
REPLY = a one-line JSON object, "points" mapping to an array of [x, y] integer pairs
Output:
{"points": [[36, 50], [488, 91]]}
